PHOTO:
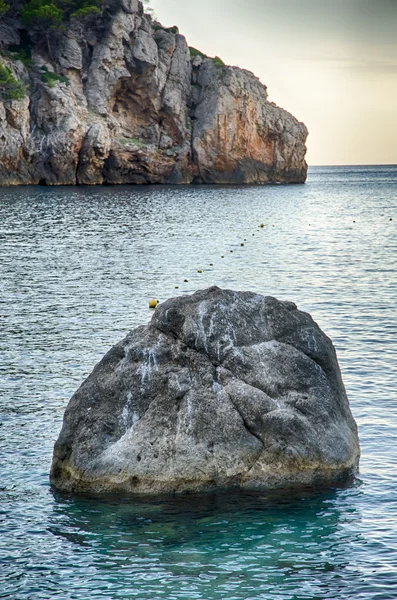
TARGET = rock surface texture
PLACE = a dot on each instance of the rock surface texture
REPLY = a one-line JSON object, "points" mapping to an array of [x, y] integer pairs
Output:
{"points": [[130, 105], [221, 389]]}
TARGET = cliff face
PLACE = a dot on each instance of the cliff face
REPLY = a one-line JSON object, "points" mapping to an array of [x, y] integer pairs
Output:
{"points": [[122, 101]]}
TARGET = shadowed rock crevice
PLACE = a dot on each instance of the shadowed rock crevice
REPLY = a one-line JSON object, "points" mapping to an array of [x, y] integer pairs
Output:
{"points": [[205, 397], [247, 425]]}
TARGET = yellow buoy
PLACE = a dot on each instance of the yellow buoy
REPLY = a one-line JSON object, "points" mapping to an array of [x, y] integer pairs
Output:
{"points": [[153, 302], [262, 225], [199, 270]]}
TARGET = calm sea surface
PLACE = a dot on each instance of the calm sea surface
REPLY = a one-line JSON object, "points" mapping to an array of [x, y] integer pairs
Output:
{"points": [[77, 267]]}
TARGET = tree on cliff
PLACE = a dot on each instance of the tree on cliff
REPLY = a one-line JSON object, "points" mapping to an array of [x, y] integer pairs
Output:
{"points": [[79, 8], [84, 12], [53, 13], [44, 18]]}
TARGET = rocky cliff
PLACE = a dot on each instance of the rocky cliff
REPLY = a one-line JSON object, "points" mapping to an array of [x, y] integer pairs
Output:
{"points": [[121, 99]]}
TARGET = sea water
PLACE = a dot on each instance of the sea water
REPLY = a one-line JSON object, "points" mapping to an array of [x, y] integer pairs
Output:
{"points": [[78, 266]]}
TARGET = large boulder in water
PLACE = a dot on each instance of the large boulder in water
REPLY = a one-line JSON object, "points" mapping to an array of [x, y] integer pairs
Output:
{"points": [[222, 388]]}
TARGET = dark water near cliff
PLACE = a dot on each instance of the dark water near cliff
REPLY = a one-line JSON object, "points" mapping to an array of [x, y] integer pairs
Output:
{"points": [[77, 268]]}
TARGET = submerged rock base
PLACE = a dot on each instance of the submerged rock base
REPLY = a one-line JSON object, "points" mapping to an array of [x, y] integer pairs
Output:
{"points": [[221, 389]]}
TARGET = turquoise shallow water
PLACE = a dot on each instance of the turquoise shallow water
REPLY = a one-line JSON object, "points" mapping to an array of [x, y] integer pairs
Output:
{"points": [[77, 267]]}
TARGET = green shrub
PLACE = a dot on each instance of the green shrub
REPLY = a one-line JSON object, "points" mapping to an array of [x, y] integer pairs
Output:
{"points": [[22, 52], [218, 62], [194, 52], [173, 29], [86, 12], [42, 14], [50, 78], [10, 87], [52, 14]]}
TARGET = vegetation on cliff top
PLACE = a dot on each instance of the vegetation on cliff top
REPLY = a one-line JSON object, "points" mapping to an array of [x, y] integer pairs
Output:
{"points": [[54, 13], [194, 52], [50, 14], [43, 20], [216, 61]]}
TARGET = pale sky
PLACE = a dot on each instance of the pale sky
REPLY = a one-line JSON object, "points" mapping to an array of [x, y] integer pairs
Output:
{"points": [[331, 63]]}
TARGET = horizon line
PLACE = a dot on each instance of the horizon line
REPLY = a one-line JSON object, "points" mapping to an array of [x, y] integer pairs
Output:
{"points": [[354, 165]]}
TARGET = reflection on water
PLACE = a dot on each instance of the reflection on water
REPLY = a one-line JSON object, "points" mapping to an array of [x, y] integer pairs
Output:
{"points": [[77, 268], [212, 545]]}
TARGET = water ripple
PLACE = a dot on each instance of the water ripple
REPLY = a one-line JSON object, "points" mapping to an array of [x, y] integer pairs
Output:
{"points": [[77, 268]]}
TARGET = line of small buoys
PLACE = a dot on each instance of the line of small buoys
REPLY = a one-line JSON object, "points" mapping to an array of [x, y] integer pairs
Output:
{"points": [[153, 302], [200, 271]]}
